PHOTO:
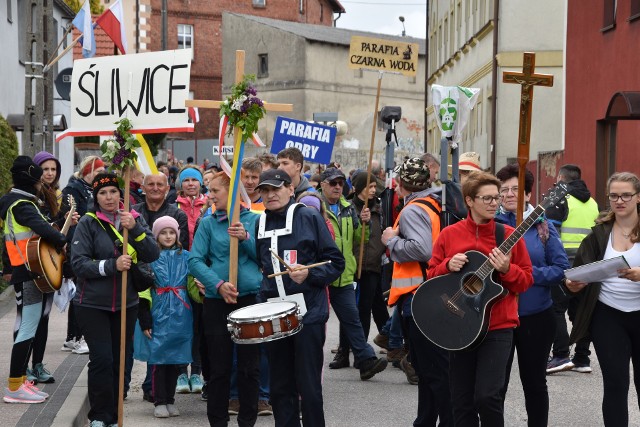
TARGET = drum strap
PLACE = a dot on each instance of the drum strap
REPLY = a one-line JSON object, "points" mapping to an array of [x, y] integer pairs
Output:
{"points": [[273, 235]]}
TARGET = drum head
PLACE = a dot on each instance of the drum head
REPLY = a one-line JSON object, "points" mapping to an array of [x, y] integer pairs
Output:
{"points": [[257, 311]]}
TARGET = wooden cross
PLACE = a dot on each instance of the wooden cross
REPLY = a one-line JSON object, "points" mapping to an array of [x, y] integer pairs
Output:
{"points": [[527, 79], [235, 217]]}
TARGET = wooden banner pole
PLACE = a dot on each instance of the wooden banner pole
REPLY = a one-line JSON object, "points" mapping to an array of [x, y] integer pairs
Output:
{"points": [[123, 305], [366, 200]]}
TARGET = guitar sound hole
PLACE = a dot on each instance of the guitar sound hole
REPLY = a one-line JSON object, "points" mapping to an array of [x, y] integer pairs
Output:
{"points": [[472, 285]]}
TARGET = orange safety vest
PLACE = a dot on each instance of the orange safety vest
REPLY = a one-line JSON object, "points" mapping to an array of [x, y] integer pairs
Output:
{"points": [[16, 236], [407, 276]]}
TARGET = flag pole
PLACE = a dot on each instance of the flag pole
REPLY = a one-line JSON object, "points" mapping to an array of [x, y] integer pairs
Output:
{"points": [[64, 36], [63, 53]]}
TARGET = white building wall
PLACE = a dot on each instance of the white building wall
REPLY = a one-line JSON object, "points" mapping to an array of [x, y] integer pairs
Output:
{"points": [[12, 81], [461, 37]]}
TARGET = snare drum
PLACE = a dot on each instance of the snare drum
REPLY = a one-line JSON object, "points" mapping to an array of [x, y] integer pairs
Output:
{"points": [[264, 322]]}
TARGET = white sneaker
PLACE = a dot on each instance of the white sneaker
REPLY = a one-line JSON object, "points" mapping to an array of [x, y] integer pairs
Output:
{"points": [[22, 395], [80, 347], [173, 411], [31, 386], [68, 345]]}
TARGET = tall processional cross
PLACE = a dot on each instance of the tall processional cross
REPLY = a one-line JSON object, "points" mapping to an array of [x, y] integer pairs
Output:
{"points": [[235, 217], [527, 79]]}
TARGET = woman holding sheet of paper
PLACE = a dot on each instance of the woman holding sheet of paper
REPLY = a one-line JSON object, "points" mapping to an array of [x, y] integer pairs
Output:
{"points": [[610, 310]]}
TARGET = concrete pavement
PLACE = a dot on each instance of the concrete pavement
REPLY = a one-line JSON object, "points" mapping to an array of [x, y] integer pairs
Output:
{"points": [[386, 400]]}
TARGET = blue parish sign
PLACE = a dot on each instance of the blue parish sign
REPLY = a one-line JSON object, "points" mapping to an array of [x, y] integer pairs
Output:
{"points": [[313, 140]]}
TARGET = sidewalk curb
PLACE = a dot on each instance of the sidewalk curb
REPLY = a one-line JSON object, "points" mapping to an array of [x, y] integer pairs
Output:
{"points": [[75, 408], [7, 293]]}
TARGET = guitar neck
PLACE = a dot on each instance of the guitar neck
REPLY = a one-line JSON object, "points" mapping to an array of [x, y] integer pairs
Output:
{"points": [[486, 269], [67, 223]]}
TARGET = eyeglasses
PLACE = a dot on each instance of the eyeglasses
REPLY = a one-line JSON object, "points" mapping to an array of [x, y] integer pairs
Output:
{"points": [[626, 197], [335, 183], [488, 199], [505, 190]]}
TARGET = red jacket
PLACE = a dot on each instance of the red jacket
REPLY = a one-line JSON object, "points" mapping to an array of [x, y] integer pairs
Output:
{"points": [[193, 209], [466, 235]]}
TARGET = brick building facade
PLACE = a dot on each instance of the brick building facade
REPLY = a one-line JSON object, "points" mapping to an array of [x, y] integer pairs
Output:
{"points": [[198, 24]]}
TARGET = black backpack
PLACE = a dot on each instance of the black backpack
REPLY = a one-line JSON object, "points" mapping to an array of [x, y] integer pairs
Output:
{"points": [[454, 209]]}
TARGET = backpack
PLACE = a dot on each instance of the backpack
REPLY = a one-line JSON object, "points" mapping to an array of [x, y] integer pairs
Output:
{"points": [[454, 208]]}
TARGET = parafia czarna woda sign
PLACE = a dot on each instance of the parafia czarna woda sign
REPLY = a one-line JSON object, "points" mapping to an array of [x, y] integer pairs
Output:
{"points": [[383, 55]]}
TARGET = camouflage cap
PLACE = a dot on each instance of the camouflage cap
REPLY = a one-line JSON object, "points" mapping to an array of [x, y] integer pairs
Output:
{"points": [[414, 172]]}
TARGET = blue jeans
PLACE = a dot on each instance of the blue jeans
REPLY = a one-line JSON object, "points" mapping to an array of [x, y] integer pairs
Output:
{"points": [[343, 301], [263, 393], [393, 329]]}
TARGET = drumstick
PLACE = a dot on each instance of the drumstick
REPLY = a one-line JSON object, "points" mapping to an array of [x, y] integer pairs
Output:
{"points": [[302, 267], [275, 254]]}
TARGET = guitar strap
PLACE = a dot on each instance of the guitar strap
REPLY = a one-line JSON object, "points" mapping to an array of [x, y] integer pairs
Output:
{"points": [[499, 234], [499, 237], [116, 237]]}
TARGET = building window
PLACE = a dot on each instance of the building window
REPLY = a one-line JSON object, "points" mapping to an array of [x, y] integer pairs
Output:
{"points": [[263, 65], [635, 10], [259, 3], [609, 16], [185, 37]]}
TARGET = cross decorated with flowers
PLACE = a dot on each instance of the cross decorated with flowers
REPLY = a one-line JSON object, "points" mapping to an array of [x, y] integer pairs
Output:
{"points": [[241, 112]]}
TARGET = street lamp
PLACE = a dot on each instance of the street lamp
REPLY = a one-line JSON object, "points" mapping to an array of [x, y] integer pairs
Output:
{"points": [[401, 18]]}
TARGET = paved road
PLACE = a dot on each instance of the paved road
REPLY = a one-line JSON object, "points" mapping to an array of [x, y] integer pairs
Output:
{"points": [[386, 400]]}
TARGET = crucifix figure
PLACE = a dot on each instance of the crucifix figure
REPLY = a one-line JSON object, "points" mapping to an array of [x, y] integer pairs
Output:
{"points": [[527, 79], [235, 217]]}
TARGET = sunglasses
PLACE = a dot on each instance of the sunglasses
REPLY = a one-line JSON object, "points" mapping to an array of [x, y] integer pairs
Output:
{"points": [[336, 183]]}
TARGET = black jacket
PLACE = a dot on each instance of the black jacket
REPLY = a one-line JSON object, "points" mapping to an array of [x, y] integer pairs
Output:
{"points": [[28, 215], [81, 192], [166, 209], [591, 249], [93, 259], [373, 248], [312, 240], [558, 213]]}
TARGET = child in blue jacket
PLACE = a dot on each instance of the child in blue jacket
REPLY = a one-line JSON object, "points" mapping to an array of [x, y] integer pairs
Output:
{"points": [[165, 318]]}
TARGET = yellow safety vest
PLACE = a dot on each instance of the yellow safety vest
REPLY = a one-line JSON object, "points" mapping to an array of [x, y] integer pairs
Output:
{"points": [[17, 235], [581, 218], [407, 276]]}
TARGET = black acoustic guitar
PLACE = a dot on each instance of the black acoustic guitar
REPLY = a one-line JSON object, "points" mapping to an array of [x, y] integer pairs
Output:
{"points": [[453, 310]]}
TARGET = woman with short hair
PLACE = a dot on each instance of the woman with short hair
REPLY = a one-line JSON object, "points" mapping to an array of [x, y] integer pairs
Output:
{"points": [[477, 375]]}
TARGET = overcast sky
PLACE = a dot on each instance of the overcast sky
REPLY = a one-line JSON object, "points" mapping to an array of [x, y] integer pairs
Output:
{"points": [[381, 16]]}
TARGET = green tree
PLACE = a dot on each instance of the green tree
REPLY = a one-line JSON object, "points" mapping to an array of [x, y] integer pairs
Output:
{"points": [[8, 153], [96, 7]]}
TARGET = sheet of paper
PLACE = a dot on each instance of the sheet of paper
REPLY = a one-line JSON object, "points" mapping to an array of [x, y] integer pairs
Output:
{"points": [[597, 271]]}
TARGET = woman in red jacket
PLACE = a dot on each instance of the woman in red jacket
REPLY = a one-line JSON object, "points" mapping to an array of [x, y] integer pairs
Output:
{"points": [[477, 375]]}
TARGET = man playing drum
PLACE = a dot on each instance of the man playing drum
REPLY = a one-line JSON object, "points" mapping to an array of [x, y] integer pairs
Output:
{"points": [[300, 237]]}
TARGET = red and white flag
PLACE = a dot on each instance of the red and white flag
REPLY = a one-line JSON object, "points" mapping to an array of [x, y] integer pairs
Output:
{"points": [[194, 114], [112, 22]]}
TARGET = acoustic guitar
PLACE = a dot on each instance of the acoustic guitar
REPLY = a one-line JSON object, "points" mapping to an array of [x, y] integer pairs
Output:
{"points": [[45, 261], [453, 310]]}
